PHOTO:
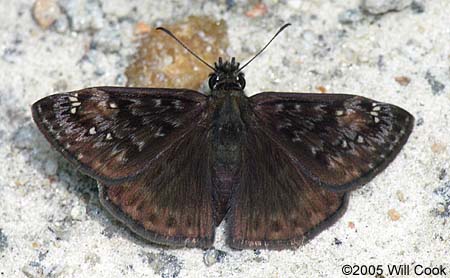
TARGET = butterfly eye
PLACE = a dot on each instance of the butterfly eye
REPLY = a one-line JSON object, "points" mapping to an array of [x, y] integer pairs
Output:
{"points": [[240, 78], [213, 80]]}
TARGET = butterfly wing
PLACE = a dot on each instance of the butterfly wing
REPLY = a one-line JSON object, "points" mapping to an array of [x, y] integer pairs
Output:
{"points": [[171, 202], [276, 206], [339, 141], [114, 133]]}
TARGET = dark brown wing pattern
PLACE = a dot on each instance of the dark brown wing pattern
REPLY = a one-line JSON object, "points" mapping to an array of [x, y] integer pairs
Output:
{"points": [[340, 141], [171, 202], [114, 133], [277, 206]]}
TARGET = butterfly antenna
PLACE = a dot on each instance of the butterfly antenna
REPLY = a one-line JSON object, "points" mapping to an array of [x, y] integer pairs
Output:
{"points": [[185, 47], [257, 54]]}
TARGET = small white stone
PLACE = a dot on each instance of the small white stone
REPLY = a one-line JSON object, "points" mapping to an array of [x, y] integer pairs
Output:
{"points": [[77, 213]]}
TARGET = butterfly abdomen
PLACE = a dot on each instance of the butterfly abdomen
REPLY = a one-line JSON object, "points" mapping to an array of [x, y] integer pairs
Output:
{"points": [[226, 139]]}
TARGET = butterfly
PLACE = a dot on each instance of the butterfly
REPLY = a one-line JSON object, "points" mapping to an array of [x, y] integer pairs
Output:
{"points": [[172, 164]]}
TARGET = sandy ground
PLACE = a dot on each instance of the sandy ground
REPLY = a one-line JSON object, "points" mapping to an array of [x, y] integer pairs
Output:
{"points": [[51, 222]]}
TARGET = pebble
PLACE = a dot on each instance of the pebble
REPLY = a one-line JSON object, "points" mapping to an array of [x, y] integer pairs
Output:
{"points": [[257, 10], [393, 214], [84, 15], [51, 167], [417, 7], [350, 16], [384, 6], [436, 86], [77, 212], [46, 12], [212, 256], [402, 80], [400, 196], [61, 25], [117, 8], [438, 147], [33, 271], [108, 40], [296, 4], [167, 266]]}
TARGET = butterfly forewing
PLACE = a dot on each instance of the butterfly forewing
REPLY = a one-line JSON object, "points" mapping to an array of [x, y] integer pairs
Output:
{"points": [[170, 204], [114, 133], [340, 141], [276, 206]]}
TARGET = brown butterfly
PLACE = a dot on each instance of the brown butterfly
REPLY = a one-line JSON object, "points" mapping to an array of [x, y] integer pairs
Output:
{"points": [[173, 163]]}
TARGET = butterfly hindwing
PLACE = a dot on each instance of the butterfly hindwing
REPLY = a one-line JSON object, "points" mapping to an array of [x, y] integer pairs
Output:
{"points": [[114, 133], [340, 141], [275, 205], [171, 202]]}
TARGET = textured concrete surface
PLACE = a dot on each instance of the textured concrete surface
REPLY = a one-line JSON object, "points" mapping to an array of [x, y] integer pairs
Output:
{"points": [[51, 222]]}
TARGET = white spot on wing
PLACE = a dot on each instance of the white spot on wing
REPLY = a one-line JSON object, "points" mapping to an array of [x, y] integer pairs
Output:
{"points": [[279, 107], [157, 102], [92, 131], [178, 105], [360, 139], [75, 104], [159, 133], [73, 99], [109, 136], [112, 105], [73, 110], [140, 145], [339, 113]]}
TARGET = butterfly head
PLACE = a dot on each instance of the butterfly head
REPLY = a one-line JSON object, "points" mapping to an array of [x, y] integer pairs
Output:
{"points": [[226, 75]]}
